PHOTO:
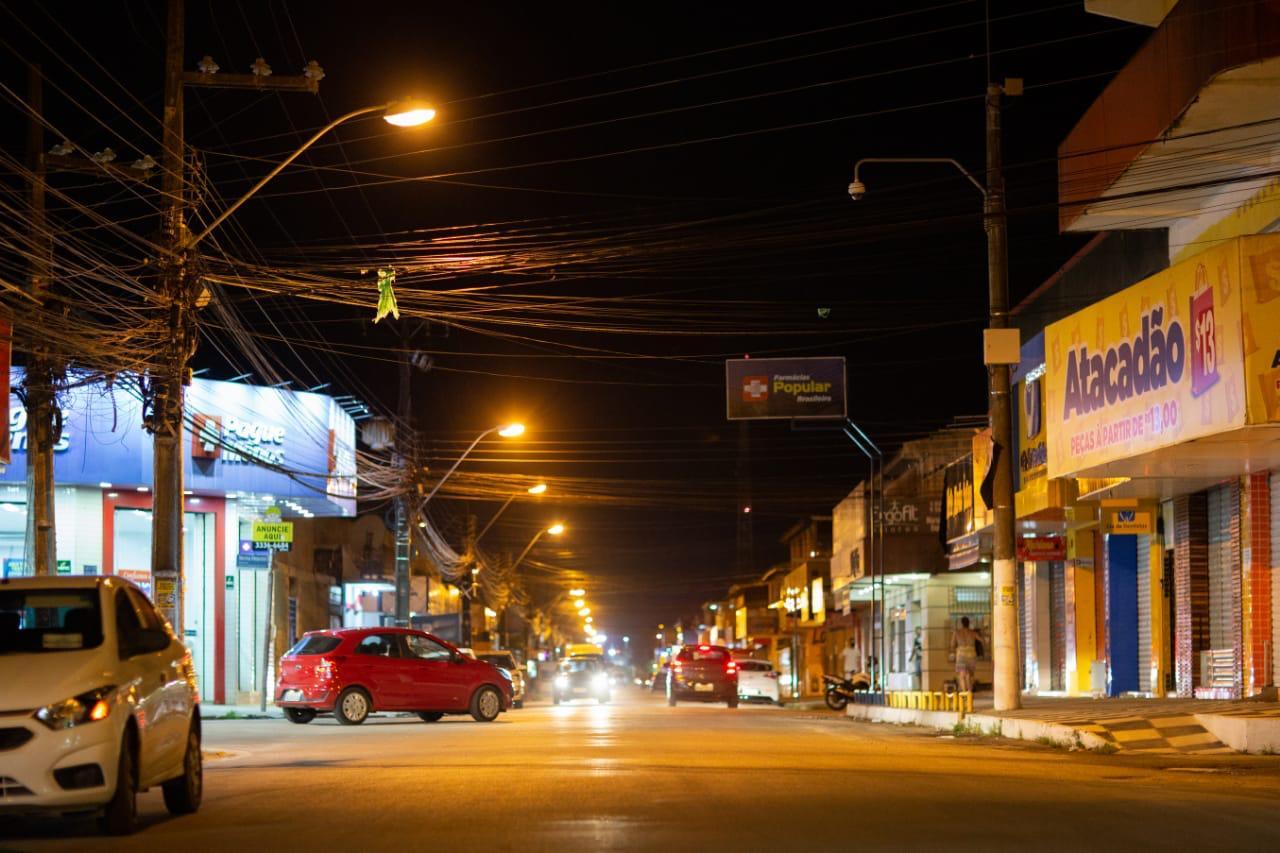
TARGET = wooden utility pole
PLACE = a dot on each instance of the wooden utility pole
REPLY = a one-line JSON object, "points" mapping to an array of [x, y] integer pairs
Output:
{"points": [[43, 421]]}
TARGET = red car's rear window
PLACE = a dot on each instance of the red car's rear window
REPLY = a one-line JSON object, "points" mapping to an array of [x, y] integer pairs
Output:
{"points": [[317, 644], [701, 654]]}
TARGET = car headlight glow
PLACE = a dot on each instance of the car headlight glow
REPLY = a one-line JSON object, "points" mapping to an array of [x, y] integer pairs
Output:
{"points": [[86, 708], [600, 681], [562, 681]]}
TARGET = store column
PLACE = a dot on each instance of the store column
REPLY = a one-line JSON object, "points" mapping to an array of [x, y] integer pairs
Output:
{"points": [[1255, 530]]}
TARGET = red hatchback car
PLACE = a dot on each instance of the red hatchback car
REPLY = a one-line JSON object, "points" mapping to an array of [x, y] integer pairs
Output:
{"points": [[353, 672]]}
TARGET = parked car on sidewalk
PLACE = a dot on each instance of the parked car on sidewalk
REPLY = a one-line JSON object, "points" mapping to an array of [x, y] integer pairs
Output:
{"points": [[506, 660], [758, 681], [354, 672], [703, 673], [98, 702], [585, 677]]}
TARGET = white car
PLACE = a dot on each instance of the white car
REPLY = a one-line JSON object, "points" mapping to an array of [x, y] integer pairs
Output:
{"points": [[757, 680], [98, 702]]}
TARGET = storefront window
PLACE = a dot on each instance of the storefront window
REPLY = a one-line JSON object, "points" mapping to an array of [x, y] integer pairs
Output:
{"points": [[974, 602], [131, 546]]}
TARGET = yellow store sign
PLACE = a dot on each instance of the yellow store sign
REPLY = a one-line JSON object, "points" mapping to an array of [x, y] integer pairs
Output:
{"points": [[1164, 361]]}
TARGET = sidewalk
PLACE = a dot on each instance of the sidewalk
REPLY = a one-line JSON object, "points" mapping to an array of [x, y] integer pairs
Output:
{"points": [[1174, 726], [210, 711]]}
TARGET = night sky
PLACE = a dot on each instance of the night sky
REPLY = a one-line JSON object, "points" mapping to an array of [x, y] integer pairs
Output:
{"points": [[619, 198]]}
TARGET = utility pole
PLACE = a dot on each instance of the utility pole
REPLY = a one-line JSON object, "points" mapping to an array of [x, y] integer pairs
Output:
{"points": [[468, 583], [180, 290], [404, 460], [167, 383], [1004, 574], [43, 422]]}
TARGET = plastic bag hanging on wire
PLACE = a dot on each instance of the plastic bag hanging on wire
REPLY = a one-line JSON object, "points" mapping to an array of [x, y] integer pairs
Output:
{"points": [[386, 295]]}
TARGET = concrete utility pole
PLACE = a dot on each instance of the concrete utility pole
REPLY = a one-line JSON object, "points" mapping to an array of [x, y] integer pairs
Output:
{"points": [[181, 290], [167, 384], [1004, 573], [469, 585], [43, 420], [405, 460]]}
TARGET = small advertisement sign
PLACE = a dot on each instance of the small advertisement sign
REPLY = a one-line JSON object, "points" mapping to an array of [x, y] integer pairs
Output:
{"points": [[1042, 549], [785, 388], [272, 535]]}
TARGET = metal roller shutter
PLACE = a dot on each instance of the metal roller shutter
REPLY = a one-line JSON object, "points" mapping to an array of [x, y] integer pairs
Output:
{"points": [[1220, 591], [1058, 625], [1144, 614]]}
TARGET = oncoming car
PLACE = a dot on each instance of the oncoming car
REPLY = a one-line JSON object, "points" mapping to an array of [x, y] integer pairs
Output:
{"points": [[585, 677], [354, 672], [98, 702]]}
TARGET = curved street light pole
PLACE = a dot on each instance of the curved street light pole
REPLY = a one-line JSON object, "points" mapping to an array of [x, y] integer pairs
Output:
{"points": [[280, 167]]}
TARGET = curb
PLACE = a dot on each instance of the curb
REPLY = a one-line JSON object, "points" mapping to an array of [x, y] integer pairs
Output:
{"points": [[1018, 729]]}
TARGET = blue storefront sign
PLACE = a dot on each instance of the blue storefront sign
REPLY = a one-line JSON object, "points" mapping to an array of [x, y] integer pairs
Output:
{"points": [[240, 439]]}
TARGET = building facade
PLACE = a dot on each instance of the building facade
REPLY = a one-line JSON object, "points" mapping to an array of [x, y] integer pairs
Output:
{"points": [[247, 449]]}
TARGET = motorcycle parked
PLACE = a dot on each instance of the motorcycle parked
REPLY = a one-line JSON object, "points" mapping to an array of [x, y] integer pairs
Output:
{"points": [[839, 692]]}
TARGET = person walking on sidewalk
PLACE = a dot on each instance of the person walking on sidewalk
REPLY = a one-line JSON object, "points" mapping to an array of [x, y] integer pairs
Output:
{"points": [[964, 645]]}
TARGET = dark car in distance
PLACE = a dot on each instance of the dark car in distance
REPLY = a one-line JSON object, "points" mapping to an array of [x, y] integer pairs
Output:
{"points": [[703, 673], [354, 672]]}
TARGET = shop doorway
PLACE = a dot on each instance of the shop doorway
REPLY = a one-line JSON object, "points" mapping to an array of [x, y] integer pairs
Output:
{"points": [[127, 554], [1122, 613]]}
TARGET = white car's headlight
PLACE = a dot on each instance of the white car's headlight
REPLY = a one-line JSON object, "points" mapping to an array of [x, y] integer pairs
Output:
{"points": [[86, 708], [600, 681]]}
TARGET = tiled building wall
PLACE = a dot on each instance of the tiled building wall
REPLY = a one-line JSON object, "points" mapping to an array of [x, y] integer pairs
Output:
{"points": [[1256, 582], [1191, 589]]}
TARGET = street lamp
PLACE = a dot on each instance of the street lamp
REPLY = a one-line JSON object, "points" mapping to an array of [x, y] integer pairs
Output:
{"points": [[584, 611], [1004, 606], [577, 593], [504, 430], [536, 490], [554, 530], [398, 113]]}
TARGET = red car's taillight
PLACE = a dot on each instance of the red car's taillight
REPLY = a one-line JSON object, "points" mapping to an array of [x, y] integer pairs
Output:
{"points": [[731, 668]]}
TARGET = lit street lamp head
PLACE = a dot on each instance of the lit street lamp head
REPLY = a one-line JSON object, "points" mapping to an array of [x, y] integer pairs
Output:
{"points": [[556, 529], [538, 489], [577, 593], [408, 114], [857, 189], [511, 430]]}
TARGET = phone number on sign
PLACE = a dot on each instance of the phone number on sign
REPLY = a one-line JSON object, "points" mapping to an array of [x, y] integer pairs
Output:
{"points": [[1154, 421]]}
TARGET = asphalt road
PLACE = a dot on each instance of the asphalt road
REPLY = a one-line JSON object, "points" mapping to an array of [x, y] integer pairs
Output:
{"points": [[636, 775]]}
